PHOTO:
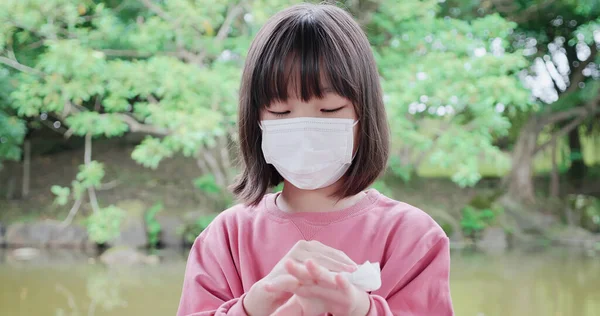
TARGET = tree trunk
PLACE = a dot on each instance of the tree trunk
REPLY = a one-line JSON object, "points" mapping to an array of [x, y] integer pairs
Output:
{"points": [[26, 168], [578, 168], [520, 178], [554, 181]]}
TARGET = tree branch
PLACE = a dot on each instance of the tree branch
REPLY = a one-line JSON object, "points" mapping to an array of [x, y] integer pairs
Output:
{"points": [[164, 15], [585, 112], [232, 13], [135, 126], [562, 132], [124, 53], [157, 10], [531, 11], [561, 116], [182, 52], [72, 212], [109, 185], [87, 158], [20, 67]]}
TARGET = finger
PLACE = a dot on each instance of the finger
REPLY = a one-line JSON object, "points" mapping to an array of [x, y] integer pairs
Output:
{"points": [[282, 283], [327, 262], [332, 264], [320, 275], [299, 271], [319, 292], [343, 284], [289, 308], [331, 252]]}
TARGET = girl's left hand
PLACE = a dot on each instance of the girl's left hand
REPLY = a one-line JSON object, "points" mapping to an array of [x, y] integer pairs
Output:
{"points": [[317, 291]]}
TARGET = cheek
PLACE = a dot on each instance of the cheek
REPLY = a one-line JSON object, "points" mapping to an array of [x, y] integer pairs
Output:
{"points": [[356, 140]]}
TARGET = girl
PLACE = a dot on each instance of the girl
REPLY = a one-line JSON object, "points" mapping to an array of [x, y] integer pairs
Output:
{"points": [[311, 114]]}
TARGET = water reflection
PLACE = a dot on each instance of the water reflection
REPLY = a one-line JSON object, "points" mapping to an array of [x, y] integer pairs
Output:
{"points": [[514, 284], [558, 284]]}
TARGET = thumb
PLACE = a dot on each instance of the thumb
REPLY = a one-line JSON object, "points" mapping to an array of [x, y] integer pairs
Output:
{"points": [[282, 283]]}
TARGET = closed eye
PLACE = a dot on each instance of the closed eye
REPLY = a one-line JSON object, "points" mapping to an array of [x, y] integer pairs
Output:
{"points": [[280, 113], [332, 110]]}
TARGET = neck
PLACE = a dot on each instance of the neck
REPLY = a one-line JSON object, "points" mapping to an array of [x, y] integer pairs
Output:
{"points": [[295, 200]]}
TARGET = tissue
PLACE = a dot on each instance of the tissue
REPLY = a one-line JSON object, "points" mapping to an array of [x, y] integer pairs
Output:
{"points": [[367, 277]]}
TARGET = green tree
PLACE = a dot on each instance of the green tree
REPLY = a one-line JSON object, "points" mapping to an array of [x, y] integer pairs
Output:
{"points": [[451, 85], [103, 69], [561, 39]]}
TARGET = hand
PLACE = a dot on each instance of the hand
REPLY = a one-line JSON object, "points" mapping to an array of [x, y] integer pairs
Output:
{"points": [[318, 291], [261, 302]]}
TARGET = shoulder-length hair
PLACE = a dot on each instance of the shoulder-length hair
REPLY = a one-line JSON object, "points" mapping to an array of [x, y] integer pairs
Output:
{"points": [[324, 43]]}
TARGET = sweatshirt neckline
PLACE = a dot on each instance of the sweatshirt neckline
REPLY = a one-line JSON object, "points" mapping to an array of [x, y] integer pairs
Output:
{"points": [[365, 203]]}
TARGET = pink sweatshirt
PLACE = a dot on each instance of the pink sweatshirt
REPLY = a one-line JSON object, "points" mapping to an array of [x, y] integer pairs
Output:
{"points": [[243, 244]]}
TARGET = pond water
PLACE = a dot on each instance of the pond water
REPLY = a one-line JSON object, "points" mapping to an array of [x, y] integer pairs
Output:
{"points": [[513, 284]]}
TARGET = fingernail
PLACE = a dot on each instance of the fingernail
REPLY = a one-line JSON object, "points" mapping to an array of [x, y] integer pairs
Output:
{"points": [[351, 268]]}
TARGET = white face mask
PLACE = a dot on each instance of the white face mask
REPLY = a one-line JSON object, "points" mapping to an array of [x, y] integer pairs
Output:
{"points": [[310, 153]]}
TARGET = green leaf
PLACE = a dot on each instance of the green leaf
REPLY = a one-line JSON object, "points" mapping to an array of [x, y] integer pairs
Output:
{"points": [[91, 175], [104, 225], [62, 194], [207, 184]]}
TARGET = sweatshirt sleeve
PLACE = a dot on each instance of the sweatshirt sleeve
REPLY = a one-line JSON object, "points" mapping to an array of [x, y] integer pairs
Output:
{"points": [[423, 290], [208, 283]]}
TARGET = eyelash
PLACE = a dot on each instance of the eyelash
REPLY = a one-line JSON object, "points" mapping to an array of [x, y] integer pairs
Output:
{"points": [[332, 110], [280, 114]]}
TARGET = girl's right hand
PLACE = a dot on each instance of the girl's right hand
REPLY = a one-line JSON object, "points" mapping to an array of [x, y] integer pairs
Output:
{"points": [[261, 302]]}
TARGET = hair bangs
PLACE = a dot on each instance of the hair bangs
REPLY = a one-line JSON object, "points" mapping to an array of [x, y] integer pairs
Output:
{"points": [[301, 60]]}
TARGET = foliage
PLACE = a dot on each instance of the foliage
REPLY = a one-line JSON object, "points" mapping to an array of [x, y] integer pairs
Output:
{"points": [[474, 221], [219, 195], [106, 69], [382, 187], [12, 133], [104, 226], [62, 194], [192, 231], [207, 184], [456, 76], [153, 227], [89, 176], [480, 213], [587, 209], [450, 85]]}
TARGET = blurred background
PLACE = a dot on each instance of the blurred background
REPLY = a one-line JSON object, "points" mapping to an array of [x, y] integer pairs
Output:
{"points": [[118, 140]]}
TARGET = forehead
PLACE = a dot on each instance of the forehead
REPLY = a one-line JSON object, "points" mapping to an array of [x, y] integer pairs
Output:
{"points": [[299, 82]]}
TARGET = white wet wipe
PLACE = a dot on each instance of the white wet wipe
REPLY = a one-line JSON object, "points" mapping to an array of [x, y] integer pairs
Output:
{"points": [[367, 277]]}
